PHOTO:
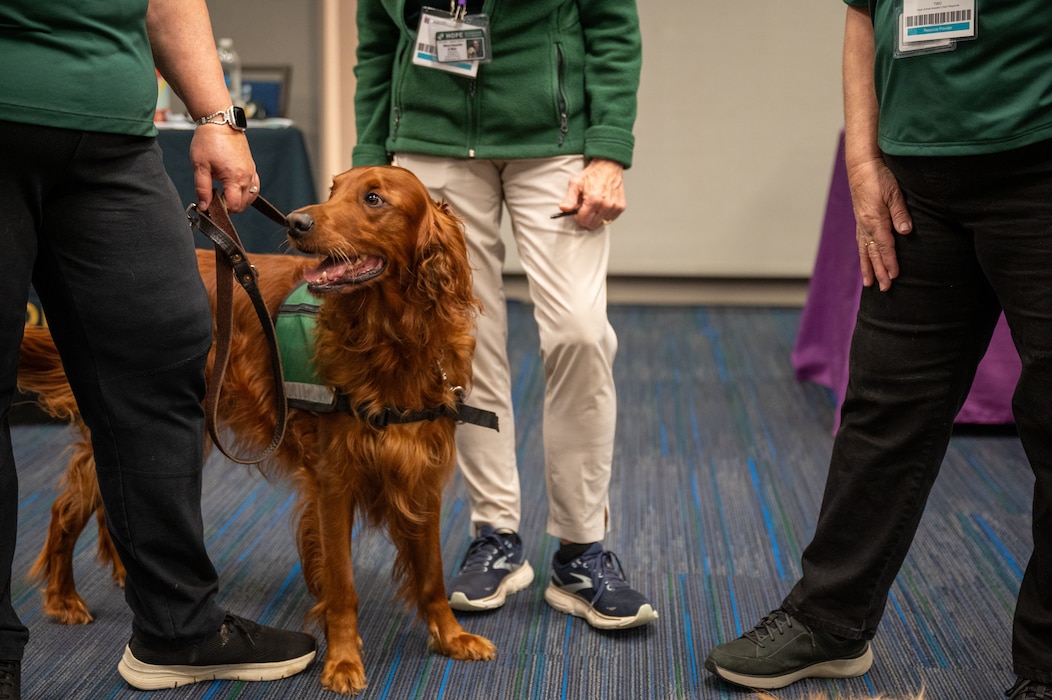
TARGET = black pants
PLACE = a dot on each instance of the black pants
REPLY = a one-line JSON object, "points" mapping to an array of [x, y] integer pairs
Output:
{"points": [[95, 222], [982, 241]]}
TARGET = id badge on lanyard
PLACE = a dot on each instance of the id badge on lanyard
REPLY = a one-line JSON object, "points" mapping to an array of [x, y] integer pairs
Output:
{"points": [[930, 26], [453, 41]]}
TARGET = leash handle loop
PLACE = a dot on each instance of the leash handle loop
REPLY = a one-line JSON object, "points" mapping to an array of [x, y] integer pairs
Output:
{"points": [[232, 263]]}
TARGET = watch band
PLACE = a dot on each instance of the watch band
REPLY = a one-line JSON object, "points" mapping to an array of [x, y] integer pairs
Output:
{"points": [[233, 116]]}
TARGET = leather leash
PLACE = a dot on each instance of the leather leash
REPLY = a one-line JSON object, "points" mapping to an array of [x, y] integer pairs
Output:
{"points": [[232, 263]]}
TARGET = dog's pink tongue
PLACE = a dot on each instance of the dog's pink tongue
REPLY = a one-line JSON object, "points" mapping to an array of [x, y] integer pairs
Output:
{"points": [[327, 270]]}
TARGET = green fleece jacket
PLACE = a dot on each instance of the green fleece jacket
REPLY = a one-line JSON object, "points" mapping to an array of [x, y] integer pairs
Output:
{"points": [[562, 81]]}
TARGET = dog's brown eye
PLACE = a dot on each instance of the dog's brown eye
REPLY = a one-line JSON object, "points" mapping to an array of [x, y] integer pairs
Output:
{"points": [[373, 200]]}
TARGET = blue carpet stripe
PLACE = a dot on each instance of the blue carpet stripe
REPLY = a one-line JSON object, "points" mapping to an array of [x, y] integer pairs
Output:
{"points": [[280, 517], [999, 547], [768, 522]]}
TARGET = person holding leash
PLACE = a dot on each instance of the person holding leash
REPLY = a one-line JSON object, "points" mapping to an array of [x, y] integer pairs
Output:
{"points": [[92, 220]]}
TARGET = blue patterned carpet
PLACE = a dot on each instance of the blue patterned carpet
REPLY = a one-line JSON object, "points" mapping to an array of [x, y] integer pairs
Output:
{"points": [[720, 462]]}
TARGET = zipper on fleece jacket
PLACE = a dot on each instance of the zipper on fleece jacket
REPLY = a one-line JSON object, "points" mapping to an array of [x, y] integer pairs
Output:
{"points": [[473, 124], [564, 126]]}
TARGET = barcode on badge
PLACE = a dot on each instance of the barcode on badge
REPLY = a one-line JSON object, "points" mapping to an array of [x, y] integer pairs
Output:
{"points": [[938, 18]]}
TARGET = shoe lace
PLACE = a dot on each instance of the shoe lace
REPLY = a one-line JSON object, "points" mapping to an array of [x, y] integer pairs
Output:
{"points": [[770, 627], [247, 628], [481, 553], [606, 571], [1026, 689]]}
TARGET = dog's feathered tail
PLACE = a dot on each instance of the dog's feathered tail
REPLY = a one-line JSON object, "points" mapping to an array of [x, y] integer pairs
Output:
{"points": [[40, 374]]}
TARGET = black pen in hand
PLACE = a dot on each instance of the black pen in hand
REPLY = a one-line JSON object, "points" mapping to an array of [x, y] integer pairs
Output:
{"points": [[565, 213]]}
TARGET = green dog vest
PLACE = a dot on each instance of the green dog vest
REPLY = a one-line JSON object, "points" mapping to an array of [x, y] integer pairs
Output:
{"points": [[295, 328]]}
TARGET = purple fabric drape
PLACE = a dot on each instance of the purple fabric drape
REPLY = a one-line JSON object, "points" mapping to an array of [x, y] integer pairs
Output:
{"points": [[828, 319]]}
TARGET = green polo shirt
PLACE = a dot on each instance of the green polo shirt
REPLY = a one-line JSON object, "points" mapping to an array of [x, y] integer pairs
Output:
{"points": [[77, 65], [990, 94]]}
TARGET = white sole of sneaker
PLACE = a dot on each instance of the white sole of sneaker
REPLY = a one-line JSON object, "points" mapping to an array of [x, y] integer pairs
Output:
{"points": [[151, 677], [840, 668], [572, 605], [512, 583]]}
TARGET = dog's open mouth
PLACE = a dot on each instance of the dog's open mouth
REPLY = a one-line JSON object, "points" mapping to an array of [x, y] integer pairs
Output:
{"points": [[334, 274]]}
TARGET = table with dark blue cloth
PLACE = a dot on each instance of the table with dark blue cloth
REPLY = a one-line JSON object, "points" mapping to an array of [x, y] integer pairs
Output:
{"points": [[823, 342], [285, 175]]}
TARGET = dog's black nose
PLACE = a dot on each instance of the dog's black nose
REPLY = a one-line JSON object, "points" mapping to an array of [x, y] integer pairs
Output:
{"points": [[300, 224]]}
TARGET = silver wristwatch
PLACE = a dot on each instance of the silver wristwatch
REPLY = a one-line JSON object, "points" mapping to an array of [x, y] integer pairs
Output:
{"points": [[233, 116]]}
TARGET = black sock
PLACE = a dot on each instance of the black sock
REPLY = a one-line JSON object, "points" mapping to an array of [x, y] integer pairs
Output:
{"points": [[568, 552]]}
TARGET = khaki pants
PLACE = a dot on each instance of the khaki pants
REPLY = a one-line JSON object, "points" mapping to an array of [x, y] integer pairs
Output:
{"points": [[566, 269]]}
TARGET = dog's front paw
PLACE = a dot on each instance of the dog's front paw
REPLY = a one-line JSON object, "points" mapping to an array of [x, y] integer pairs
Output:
{"points": [[67, 609], [346, 677], [464, 647]]}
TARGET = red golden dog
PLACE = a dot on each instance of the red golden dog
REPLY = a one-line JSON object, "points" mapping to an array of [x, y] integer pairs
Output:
{"points": [[395, 336]]}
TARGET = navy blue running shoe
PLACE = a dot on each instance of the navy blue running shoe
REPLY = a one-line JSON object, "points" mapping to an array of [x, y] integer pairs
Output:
{"points": [[493, 568], [593, 586]]}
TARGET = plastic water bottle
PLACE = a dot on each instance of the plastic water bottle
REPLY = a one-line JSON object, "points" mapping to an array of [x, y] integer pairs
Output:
{"points": [[231, 69]]}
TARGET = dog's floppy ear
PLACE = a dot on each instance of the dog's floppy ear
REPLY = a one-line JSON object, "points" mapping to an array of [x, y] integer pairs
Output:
{"points": [[444, 271]]}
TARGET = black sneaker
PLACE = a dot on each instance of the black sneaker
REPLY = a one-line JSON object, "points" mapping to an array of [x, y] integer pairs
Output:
{"points": [[493, 568], [1026, 689], [241, 650], [10, 680], [781, 650], [593, 586]]}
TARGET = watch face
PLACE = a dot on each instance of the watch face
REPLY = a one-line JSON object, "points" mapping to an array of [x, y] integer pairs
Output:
{"points": [[240, 122]]}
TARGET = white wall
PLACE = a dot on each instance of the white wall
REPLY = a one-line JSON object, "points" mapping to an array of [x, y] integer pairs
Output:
{"points": [[738, 122], [740, 111]]}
